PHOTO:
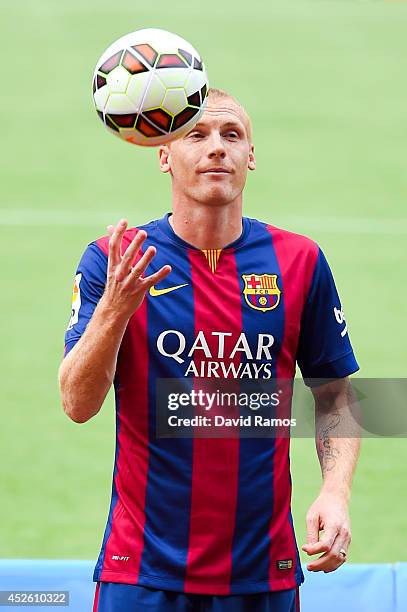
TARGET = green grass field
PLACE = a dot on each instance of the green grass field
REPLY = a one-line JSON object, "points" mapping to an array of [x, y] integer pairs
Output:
{"points": [[325, 84]]}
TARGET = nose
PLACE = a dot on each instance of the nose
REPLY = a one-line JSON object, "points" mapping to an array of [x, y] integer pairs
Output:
{"points": [[215, 146]]}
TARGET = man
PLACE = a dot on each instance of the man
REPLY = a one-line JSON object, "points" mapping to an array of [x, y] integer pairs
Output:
{"points": [[205, 523]]}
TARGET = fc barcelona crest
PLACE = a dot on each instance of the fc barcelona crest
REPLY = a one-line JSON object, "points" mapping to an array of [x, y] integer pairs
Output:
{"points": [[261, 291]]}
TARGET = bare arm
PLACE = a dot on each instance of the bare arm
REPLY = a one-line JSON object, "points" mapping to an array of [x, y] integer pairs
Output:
{"points": [[87, 372], [337, 437], [334, 418]]}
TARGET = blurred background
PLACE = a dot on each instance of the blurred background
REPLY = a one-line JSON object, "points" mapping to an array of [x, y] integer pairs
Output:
{"points": [[325, 85]]}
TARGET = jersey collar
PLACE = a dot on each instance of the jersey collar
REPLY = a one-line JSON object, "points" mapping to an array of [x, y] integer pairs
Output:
{"points": [[166, 228]]}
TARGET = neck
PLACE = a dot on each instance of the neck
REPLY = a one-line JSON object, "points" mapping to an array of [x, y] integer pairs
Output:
{"points": [[207, 226]]}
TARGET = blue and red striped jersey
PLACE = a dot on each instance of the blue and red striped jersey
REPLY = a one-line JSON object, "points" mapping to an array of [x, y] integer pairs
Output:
{"points": [[211, 515]]}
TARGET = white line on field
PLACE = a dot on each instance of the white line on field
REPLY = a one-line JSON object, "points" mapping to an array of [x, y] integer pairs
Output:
{"points": [[304, 224]]}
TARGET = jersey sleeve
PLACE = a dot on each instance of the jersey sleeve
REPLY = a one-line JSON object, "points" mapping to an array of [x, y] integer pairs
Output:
{"points": [[89, 285], [324, 348]]}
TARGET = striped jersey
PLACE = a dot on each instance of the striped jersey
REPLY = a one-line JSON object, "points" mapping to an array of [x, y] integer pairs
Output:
{"points": [[211, 515]]}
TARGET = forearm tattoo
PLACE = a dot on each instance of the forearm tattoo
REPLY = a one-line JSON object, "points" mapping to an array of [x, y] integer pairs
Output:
{"points": [[327, 452]]}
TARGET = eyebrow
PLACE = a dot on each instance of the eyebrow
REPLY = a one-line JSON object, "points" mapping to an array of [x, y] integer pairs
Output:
{"points": [[234, 124]]}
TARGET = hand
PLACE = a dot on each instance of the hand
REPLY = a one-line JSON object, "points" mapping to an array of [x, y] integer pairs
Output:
{"points": [[125, 285], [329, 513]]}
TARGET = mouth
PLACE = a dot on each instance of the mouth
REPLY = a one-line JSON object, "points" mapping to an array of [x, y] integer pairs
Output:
{"points": [[216, 171]]}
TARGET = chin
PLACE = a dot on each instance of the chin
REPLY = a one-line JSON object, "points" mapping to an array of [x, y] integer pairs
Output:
{"points": [[217, 197]]}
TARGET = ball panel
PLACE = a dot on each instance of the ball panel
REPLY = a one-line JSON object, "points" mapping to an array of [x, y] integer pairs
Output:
{"points": [[173, 77], [175, 100], [155, 93], [183, 117], [137, 87], [145, 128], [126, 120], [130, 138], [160, 118], [189, 125], [187, 56], [110, 123], [147, 52], [111, 63], [118, 104], [196, 80], [170, 61], [100, 97], [160, 40], [100, 81], [117, 80], [194, 99], [153, 141], [132, 64]]}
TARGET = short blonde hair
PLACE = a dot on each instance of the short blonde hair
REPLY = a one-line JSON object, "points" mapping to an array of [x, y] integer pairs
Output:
{"points": [[218, 94]]}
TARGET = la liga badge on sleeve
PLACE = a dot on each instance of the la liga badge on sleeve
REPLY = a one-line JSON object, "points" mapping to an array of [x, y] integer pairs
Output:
{"points": [[76, 301]]}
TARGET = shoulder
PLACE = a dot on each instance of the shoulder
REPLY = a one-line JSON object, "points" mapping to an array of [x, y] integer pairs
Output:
{"points": [[297, 245]]}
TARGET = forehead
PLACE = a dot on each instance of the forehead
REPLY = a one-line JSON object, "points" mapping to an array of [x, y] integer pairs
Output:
{"points": [[223, 111]]}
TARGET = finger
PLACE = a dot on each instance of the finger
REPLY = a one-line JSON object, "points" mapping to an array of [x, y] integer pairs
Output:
{"points": [[325, 563], [155, 278], [110, 230], [341, 543], [331, 560], [137, 271], [324, 544], [312, 531], [115, 241], [132, 250], [320, 564]]}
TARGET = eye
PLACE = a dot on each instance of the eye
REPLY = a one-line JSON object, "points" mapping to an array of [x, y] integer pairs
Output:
{"points": [[196, 135], [232, 134]]}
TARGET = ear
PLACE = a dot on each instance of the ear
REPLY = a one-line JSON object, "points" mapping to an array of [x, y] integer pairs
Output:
{"points": [[252, 160], [165, 158]]}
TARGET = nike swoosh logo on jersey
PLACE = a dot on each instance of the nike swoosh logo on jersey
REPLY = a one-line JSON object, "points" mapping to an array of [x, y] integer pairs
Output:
{"points": [[154, 292]]}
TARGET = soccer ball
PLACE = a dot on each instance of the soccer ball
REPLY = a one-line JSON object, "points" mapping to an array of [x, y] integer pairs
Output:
{"points": [[150, 87]]}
